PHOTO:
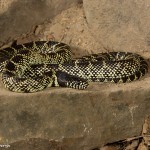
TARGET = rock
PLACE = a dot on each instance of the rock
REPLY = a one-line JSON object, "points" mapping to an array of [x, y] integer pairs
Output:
{"points": [[103, 113], [119, 25], [31, 13], [4, 5]]}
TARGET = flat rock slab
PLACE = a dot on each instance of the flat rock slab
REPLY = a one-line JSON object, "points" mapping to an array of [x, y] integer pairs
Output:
{"points": [[100, 114], [119, 25]]}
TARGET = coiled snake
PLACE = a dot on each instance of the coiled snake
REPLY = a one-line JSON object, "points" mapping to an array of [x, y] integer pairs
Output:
{"points": [[34, 66]]}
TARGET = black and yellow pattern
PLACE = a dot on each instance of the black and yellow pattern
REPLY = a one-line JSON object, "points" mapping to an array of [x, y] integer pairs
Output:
{"points": [[34, 66]]}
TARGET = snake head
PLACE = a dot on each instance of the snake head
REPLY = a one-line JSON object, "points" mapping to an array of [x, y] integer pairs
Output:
{"points": [[66, 80]]}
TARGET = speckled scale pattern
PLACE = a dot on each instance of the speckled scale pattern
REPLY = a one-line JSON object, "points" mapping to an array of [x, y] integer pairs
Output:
{"points": [[33, 66], [118, 70]]}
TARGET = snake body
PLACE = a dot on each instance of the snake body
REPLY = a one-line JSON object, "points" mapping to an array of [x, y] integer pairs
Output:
{"points": [[33, 66]]}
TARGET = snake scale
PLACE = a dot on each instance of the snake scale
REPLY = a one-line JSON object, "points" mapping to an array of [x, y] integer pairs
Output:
{"points": [[33, 66]]}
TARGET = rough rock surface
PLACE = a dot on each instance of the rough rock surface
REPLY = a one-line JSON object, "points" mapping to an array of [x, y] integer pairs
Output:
{"points": [[120, 25], [18, 17], [101, 114], [4, 5], [89, 118]]}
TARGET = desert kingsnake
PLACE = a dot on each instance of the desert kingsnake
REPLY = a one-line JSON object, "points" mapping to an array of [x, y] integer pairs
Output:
{"points": [[34, 66]]}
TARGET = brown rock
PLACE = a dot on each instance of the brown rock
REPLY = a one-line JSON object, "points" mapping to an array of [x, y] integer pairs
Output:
{"points": [[20, 16], [101, 114], [120, 25]]}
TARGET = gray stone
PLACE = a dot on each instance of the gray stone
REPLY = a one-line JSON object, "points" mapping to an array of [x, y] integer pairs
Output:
{"points": [[100, 114], [120, 25], [22, 16]]}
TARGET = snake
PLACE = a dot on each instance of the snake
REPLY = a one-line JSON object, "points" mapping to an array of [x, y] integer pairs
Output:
{"points": [[34, 66]]}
